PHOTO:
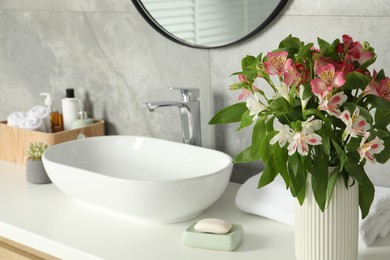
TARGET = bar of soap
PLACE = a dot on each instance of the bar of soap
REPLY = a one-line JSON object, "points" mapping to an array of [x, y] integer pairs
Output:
{"points": [[213, 225], [224, 242]]}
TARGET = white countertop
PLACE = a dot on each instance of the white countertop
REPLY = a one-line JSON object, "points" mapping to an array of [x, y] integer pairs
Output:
{"points": [[42, 217]]}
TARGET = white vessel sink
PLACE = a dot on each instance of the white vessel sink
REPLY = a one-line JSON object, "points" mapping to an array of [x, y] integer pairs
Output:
{"points": [[145, 178]]}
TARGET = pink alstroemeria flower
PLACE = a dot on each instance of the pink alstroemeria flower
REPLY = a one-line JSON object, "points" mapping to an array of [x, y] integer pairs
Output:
{"points": [[277, 63], [328, 78], [347, 41], [368, 149], [322, 62], [291, 76], [356, 124], [331, 104], [354, 51], [300, 142], [384, 88], [245, 92], [357, 53], [371, 88]]}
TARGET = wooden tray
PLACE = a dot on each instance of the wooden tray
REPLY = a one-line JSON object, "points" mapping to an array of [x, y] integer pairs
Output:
{"points": [[14, 141]]}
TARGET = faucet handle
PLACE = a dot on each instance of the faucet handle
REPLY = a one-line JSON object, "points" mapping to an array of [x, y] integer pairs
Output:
{"points": [[188, 94]]}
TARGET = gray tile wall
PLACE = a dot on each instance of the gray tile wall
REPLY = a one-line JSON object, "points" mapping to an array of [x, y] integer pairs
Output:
{"points": [[116, 61]]}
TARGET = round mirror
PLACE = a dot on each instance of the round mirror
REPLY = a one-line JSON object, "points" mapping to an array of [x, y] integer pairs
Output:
{"points": [[209, 23]]}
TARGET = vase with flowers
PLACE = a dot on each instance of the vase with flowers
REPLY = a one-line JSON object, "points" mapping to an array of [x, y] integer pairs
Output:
{"points": [[322, 117]]}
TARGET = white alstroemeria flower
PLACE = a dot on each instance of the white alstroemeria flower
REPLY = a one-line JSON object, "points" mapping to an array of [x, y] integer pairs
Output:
{"points": [[355, 124], [368, 149], [255, 106], [310, 125], [282, 91], [303, 101], [331, 104], [301, 143], [284, 135]]}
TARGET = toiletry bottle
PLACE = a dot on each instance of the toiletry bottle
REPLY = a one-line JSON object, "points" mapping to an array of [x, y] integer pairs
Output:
{"points": [[70, 108], [82, 116], [56, 123]]}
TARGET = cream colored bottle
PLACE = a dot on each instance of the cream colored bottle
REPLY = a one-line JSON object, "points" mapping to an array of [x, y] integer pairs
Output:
{"points": [[70, 109]]}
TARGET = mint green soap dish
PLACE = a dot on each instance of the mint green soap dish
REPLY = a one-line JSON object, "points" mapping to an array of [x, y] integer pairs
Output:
{"points": [[223, 242]]}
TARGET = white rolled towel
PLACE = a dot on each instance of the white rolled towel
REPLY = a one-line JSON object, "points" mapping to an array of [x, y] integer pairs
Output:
{"points": [[275, 202], [43, 113], [32, 123], [14, 118]]}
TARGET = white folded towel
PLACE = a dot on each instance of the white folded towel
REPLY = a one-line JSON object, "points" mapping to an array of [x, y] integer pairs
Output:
{"points": [[14, 118], [32, 123], [43, 113], [377, 222], [378, 173], [275, 202]]}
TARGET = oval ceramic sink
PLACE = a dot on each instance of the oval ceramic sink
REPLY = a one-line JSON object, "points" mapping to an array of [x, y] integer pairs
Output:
{"points": [[145, 178]]}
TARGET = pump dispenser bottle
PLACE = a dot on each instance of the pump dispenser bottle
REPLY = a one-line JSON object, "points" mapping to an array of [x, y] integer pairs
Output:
{"points": [[56, 123], [70, 108]]}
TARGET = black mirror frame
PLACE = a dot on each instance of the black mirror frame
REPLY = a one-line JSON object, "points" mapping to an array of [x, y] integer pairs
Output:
{"points": [[149, 18]]}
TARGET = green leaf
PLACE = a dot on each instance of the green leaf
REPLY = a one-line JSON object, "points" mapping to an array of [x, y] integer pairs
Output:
{"points": [[245, 156], [354, 169], [378, 102], [259, 133], [382, 118], [249, 70], [230, 114], [381, 134], [290, 116], [302, 194], [366, 195], [292, 43], [366, 188], [353, 145], [246, 120], [247, 61], [297, 174], [325, 147], [384, 156], [307, 163], [319, 180], [340, 153], [280, 158], [323, 44], [280, 104], [270, 124], [303, 52], [312, 111], [269, 174], [331, 183], [380, 75], [355, 80], [238, 85], [266, 149]]}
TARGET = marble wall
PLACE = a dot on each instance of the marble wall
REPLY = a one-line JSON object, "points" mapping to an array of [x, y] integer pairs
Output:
{"points": [[116, 61]]}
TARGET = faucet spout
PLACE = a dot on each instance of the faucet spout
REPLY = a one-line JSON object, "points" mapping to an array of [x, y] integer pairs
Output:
{"points": [[190, 116], [152, 106]]}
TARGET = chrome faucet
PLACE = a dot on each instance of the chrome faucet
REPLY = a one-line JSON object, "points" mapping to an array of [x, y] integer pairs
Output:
{"points": [[189, 111]]}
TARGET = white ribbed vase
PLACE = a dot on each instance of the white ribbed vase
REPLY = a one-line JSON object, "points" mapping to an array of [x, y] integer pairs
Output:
{"points": [[332, 234]]}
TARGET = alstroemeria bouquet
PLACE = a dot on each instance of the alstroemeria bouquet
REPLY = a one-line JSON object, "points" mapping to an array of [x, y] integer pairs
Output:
{"points": [[326, 110]]}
